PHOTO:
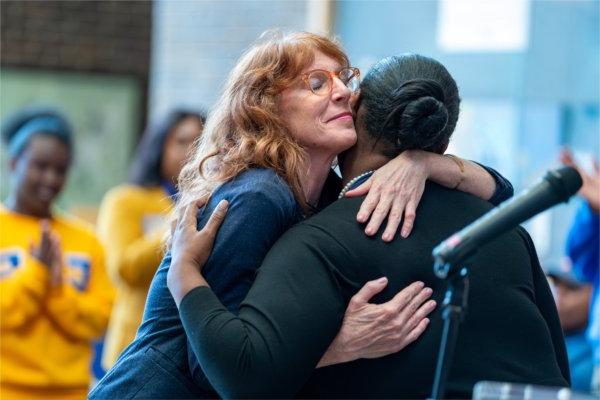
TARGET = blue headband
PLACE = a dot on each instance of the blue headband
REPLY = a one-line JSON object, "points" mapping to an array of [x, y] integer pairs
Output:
{"points": [[50, 125]]}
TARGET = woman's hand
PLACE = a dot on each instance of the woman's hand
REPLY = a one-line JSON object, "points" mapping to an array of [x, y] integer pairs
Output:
{"points": [[56, 268], [376, 330], [49, 253], [44, 252], [191, 248], [394, 191]]}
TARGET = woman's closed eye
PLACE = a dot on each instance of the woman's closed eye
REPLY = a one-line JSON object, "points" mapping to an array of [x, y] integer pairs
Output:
{"points": [[317, 81]]}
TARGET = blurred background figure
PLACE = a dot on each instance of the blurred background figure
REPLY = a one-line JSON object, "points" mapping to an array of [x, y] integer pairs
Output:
{"points": [[55, 295], [583, 249], [132, 221]]}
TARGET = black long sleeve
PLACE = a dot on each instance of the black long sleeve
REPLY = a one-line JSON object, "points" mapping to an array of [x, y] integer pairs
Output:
{"points": [[504, 189], [547, 307], [290, 316]]}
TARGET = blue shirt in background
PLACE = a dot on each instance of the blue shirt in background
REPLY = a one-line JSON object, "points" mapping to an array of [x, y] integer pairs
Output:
{"points": [[583, 248]]}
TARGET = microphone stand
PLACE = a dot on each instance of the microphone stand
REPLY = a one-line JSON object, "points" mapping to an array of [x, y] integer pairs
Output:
{"points": [[557, 186], [453, 312]]}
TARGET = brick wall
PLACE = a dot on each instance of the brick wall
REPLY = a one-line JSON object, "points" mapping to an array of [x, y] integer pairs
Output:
{"points": [[190, 45], [91, 60], [87, 36]]}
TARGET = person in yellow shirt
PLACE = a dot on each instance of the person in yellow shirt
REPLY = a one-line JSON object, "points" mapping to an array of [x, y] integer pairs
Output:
{"points": [[55, 295], [132, 220]]}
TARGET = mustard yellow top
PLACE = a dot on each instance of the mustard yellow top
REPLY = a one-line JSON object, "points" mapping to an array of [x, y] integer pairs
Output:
{"points": [[131, 224], [46, 332]]}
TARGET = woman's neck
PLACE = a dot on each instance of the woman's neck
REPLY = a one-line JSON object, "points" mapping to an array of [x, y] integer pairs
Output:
{"points": [[314, 180], [356, 162]]}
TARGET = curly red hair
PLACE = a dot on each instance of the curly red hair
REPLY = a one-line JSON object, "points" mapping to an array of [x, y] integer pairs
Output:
{"points": [[245, 130]]}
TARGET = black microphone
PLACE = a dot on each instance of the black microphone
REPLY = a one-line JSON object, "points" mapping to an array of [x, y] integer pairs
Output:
{"points": [[556, 187]]}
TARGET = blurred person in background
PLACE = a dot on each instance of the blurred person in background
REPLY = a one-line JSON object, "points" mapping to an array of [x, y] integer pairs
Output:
{"points": [[55, 294], [583, 248], [132, 221]]}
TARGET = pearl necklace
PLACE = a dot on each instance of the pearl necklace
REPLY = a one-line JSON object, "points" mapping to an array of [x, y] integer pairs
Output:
{"points": [[352, 182]]}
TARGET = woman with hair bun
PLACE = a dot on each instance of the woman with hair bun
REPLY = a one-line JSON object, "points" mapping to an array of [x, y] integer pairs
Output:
{"points": [[296, 304], [55, 296], [410, 113], [267, 150]]}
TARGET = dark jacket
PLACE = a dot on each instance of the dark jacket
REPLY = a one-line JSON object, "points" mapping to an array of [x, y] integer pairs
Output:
{"points": [[296, 305]]}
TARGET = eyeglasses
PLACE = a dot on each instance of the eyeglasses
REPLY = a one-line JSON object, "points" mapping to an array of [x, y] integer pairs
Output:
{"points": [[320, 81]]}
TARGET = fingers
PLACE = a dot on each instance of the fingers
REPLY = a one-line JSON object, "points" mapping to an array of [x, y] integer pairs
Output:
{"points": [[381, 211], [188, 219], [367, 292], [398, 344], [415, 303], [360, 190], [368, 205], [55, 252], [54, 242], [415, 333], [393, 220], [56, 246], [409, 218], [403, 297], [216, 219], [201, 202], [416, 325], [45, 240], [56, 264], [44, 251], [420, 314], [390, 344], [45, 226]]}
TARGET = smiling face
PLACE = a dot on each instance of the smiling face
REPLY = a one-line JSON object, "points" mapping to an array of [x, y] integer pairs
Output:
{"points": [[177, 145], [39, 174], [321, 124]]}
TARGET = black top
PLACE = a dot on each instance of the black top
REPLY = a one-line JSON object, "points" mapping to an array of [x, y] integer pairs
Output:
{"points": [[295, 307]]}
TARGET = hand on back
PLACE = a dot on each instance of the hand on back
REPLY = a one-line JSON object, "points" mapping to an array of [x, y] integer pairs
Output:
{"points": [[49, 252]]}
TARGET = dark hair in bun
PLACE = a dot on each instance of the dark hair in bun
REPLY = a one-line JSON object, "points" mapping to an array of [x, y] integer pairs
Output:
{"points": [[411, 102]]}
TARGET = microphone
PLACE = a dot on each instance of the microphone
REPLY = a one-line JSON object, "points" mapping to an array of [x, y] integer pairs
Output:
{"points": [[556, 187]]}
